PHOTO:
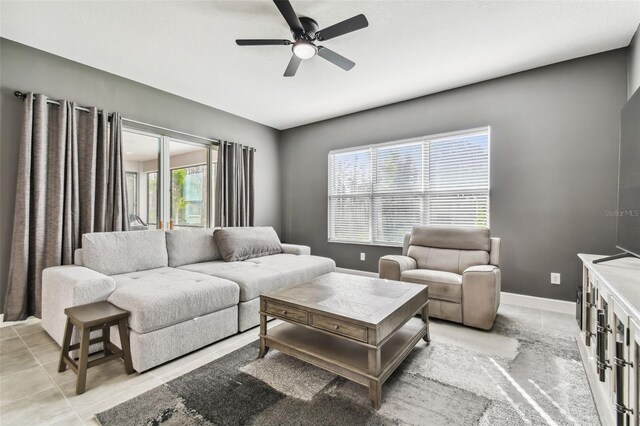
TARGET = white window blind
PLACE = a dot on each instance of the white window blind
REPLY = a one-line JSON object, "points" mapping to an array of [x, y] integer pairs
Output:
{"points": [[378, 192]]}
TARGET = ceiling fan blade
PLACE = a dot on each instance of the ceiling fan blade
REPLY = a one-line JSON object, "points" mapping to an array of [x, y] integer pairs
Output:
{"points": [[335, 59], [352, 24], [294, 63], [289, 15], [262, 42]]}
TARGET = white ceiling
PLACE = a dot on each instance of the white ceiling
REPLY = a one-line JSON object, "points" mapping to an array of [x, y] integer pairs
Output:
{"points": [[411, 48]]}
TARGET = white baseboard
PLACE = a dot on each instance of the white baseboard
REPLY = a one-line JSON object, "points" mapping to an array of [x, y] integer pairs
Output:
{"points": [[356, 272], [554, 305], [525, 301]]}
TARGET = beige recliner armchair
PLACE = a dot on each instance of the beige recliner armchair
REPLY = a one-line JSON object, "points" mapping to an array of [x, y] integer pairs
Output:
{"points": [[460, 266]]}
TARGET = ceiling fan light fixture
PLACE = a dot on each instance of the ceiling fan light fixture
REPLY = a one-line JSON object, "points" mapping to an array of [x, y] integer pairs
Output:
{"points": [[304, 50], [305, 32]]}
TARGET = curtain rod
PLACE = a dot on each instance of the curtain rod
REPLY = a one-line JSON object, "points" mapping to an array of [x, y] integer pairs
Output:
{"points": [[170, 130], [21, 95]]}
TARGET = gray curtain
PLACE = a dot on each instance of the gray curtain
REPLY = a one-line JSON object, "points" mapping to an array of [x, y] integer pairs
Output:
{"points": [[70, 182], [235, 185]]}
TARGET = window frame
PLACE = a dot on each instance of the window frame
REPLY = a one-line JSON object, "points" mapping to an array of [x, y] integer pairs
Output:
{"points": [[148, 198], [372, 195], [135, 192]]}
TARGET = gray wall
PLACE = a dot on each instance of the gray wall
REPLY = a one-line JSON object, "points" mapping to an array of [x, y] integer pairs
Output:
{"points": [[634, 63], [26, 69], [554, 147], [553, 171]]}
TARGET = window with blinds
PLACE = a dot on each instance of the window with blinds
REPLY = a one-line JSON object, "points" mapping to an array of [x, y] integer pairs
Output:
{"points": [[378, 192]]}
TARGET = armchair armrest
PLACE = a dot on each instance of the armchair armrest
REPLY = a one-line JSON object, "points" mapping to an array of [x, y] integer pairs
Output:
{"points": [[67, 286], [295, 249], [494, 254], [392, 266], [480, 296]]}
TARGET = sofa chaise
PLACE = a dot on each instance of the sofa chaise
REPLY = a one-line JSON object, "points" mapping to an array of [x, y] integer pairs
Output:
{"points": [[460, 266], [181, 292]]}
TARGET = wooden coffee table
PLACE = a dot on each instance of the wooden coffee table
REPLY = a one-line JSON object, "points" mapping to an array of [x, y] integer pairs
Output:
{"points": [[357, 327]]}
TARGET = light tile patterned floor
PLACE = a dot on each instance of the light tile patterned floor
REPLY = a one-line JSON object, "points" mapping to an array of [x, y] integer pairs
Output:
{"points": [[33, 392]]}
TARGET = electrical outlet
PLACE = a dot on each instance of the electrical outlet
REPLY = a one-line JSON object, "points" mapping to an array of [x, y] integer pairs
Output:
{"points": [[555, 278], [362, 256]]}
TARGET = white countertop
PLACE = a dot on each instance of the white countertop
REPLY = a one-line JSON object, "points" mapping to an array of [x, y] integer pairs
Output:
{"points": [[622, 277]]}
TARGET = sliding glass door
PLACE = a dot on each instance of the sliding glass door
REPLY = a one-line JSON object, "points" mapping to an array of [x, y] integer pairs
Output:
{"points": [[141, 155], [170, 181], [188, 191]]}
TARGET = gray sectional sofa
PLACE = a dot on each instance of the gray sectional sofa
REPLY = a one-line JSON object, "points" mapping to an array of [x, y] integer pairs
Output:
{"points": [[180, 292]]}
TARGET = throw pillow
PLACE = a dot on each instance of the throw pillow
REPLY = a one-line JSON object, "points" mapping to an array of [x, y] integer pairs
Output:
{"points": [[247, 242]]}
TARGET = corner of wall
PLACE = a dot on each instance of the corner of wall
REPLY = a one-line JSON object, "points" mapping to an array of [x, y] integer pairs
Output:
{"points": [[633, 64]]}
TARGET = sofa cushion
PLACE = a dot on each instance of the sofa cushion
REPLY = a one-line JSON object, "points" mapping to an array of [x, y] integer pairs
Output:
{"points": [[451, 237], [291, 263], [161, 297], [470, 258], [247, 242], [186, 246], [77, 257], [216, 267], [266, 274], [252, 278], [442, 285], [420, 254], [449, 260], [442, 260], [292, 269], [113, 253]]}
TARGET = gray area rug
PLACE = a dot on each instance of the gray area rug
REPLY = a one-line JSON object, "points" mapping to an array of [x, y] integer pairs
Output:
{"points": [[515, 374]]}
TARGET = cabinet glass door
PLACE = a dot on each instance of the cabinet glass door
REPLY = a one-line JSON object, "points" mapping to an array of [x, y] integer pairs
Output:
{"points": [[590, 317], [622, 364], [634, 372], [607, 329], [604, 340]]}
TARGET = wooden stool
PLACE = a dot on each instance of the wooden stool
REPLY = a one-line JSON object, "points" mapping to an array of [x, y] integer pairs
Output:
{"points": [[86, 318]]}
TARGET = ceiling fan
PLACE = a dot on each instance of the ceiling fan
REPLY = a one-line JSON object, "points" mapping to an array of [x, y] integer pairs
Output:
{"points": [[305, 34]]}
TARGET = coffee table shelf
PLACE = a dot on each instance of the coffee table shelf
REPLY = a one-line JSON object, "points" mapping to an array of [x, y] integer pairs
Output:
{"points": [[342, 356]]}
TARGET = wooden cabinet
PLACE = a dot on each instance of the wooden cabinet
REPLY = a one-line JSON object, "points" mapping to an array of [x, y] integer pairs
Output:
{"points": [[610, 337]]}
